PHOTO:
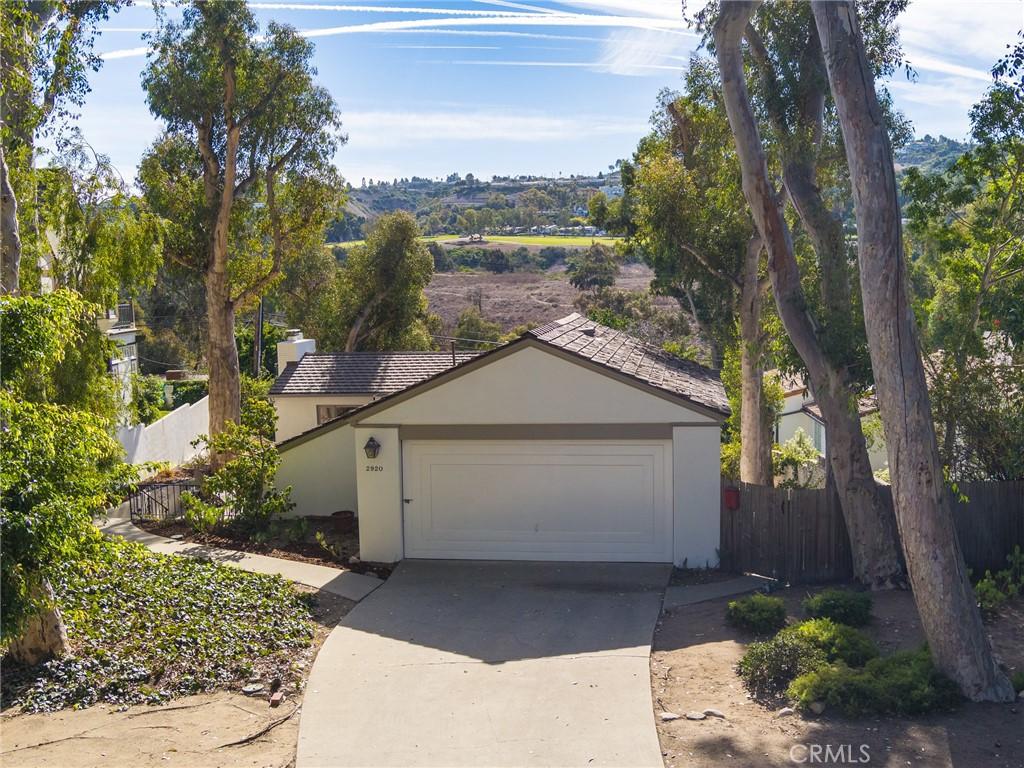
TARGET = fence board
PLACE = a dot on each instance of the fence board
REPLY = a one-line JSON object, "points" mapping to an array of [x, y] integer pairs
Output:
{"points": [[799, 535]]}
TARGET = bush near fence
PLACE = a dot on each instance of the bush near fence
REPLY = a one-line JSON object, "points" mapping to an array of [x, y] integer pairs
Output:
{"points": [[798, 535]]}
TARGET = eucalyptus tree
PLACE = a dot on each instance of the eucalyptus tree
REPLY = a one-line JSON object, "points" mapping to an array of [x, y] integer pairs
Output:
{"points": [[942, 590], [780, 104], [693, 226], [45, 57], [265, 134]]}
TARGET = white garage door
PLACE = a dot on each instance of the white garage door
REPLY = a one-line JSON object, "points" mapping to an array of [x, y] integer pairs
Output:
{"points": [[538, 500]]}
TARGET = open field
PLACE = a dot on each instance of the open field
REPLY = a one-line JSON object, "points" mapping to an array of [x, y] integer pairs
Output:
{"points": [[515, 241], [517, 298]]}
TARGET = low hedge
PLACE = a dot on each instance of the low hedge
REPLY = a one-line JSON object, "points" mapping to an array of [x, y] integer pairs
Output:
{"points": [[838, 642], [757, 614], [840, 605], [905, 683]]}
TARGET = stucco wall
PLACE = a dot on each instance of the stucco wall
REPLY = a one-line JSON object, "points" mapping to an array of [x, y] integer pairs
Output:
{"points": [[532, 386], [297, 413], [696, 462], [169, 439], [322, 473], [379, 484]]}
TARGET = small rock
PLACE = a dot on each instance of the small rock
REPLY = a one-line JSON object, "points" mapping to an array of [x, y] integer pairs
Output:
{"points": [[252, 689], [354, 560], [695, 716], [817, 707], [785, 712], [668, 716], [177, 536], [276, 699], [714, 713]]}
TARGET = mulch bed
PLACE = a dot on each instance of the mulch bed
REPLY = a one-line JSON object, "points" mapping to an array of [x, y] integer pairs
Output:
{"points": [[345, 543]]}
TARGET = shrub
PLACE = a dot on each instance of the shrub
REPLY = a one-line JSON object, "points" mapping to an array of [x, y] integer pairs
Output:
{"points": [[840, 605], [757, 613], [188, 392], [989, 596], [147, 402], [1017, 678], [767, 668], [905, 683], [838, 642]]}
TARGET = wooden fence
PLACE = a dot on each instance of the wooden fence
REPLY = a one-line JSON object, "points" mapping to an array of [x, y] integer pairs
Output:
{"points": [[799, 537]]}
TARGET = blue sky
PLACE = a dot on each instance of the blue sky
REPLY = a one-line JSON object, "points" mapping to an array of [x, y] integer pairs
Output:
{"points": [[508, 87]]}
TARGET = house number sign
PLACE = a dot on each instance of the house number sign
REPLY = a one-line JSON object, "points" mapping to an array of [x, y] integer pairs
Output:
{"points": [[374, 468]]}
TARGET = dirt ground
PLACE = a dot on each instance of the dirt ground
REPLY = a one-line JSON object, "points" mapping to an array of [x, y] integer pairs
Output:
{"points": [[223, 728], [517, 298], [692, 668]]}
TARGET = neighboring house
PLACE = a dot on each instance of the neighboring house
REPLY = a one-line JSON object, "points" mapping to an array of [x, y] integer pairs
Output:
{"points": [[801, 411], [119, 326], [572, 442]]}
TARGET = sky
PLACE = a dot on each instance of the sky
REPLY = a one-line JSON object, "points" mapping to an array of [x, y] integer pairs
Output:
{"points": [[507, 87]]}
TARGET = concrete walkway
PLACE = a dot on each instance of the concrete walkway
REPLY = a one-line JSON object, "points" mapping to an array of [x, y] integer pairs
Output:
{"points": [[688, 594], [496, 664], [352, 586]]}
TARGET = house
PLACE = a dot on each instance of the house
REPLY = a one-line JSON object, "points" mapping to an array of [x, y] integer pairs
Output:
{"points": [[118, 324], [801, 411], [574, 441]]}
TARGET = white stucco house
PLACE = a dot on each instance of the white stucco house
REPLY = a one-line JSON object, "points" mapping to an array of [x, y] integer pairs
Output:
{"points": [[800, 410], [572, 442]]}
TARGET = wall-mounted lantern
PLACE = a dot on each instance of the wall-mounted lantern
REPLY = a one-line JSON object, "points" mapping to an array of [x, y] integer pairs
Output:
{"points": [[372, 448]]}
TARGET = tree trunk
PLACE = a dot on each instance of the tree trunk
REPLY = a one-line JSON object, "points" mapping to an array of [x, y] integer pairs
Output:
{"points": [[755, 416], [44, 636], [945, 600], [872, 533], [357, 325], [222, 354], [10, 238]]}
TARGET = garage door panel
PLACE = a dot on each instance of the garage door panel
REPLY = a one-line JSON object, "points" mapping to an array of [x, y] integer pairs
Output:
{"points": [[538, 500]]}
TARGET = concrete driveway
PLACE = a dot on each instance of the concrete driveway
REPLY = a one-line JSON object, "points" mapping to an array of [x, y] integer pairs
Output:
{"points": [[490, 664]]}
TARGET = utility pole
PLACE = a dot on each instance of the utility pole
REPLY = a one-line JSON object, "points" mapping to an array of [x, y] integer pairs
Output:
{"points": [[257, 342]]}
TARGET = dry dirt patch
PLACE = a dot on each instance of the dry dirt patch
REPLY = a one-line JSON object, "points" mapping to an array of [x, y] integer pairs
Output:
{"points": [[223, 728], [692, 668]]}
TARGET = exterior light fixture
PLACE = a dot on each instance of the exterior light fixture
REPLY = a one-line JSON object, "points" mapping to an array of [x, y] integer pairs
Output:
{"points": [[372, 448]]}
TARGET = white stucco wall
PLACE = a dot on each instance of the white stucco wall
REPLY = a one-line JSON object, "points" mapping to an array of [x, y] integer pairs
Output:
{"points": [[322, 473], [168, 439], [532, 386], [379, 483], [297, 413], [696, 476]]}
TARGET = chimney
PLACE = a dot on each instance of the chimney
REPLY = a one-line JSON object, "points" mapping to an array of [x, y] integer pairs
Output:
{"points": [[293, 348]]}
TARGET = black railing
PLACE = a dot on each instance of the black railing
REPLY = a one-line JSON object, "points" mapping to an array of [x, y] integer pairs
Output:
{"points": [[125, 315], [160, 501]]}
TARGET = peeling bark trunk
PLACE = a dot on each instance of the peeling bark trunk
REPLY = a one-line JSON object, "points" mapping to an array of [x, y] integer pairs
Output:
{"points": [[222, 355], [755, 417], [868, 520], [44, 636], [10, 237], [357, 325], [945, 600]]}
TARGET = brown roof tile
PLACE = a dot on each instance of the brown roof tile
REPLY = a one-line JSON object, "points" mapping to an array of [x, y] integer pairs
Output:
{"points": [[362, 373]]}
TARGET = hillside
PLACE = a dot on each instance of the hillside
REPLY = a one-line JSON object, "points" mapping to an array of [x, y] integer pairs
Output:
{"points": [[930, 154]]}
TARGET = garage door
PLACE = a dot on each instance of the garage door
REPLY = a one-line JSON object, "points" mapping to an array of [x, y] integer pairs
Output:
{"points": [[538, 500]]}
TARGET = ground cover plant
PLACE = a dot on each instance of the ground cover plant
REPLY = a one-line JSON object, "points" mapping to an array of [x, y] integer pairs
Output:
{"points": [[758, 614], [145, 628]]}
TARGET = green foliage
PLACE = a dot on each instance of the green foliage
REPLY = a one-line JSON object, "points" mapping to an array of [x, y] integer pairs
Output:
{"points": [[596, 267], [841, 605], [796, 461], [473, 325], [58, 467], [772, 401], [147, 404], [243, 488], [767, 668], [993, 590], [838, 642], [245, 335], [188, 392], [381, 287], [1017, 678], [159, 627], [905, 683], [758, 614]]}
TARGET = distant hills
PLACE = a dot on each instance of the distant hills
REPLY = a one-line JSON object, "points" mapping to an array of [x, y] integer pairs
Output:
{"points": [[929, 153]]}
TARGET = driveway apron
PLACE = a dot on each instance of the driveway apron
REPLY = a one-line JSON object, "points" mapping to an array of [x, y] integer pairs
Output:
{"points": [[490, 664]]}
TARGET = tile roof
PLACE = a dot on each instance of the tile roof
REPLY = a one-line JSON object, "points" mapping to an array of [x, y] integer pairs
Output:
{"points": [[362, 373], [635, 358]]}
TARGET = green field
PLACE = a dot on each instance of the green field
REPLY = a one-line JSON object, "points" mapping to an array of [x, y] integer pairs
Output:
{"points": [[535, 240]]}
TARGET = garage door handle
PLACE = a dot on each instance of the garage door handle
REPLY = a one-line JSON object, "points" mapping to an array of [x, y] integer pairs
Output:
{"points": [[407, 500]]}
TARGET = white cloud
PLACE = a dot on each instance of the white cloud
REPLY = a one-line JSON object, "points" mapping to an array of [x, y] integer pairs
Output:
{"points": [[635, 51], [946, 93], [376, 9], [958, 30], [922, 61], [377, 129]]}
